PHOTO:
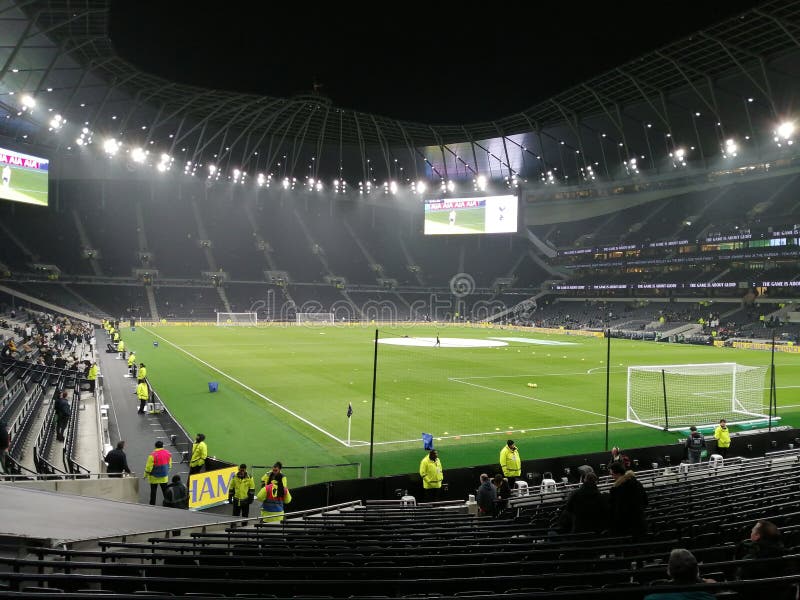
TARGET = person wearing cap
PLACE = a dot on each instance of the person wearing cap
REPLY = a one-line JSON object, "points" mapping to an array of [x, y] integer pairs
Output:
{"points": [[510, 462], [156, 470], [695, 444], [241, 492], [176, 495], [199, 454]]}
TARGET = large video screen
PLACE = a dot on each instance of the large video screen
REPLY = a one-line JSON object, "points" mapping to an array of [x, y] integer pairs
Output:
{"points": [[487, 214], [23, 178]]}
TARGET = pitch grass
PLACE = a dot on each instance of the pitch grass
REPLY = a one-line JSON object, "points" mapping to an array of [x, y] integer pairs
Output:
{"points": [[449, 392], [27, 185], [468, 220]]}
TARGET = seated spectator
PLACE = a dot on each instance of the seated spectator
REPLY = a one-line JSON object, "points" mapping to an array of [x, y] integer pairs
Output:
{"points": [[586, 508], [764, 543], [682, 570]]}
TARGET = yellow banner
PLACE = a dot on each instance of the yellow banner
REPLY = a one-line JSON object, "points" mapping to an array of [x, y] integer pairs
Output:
{"points": [[210, 488], [762, 346]]}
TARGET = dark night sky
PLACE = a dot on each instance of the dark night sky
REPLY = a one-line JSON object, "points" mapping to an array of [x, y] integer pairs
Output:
{"points": [[454, 63]]}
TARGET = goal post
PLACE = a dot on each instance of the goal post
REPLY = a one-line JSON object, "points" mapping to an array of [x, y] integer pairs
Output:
{"points": [[319, 318], [237, 319], [673, 397]]}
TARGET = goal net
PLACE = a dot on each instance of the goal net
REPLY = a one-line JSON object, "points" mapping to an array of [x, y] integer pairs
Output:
{"points": [[315, 318], [242, 319], [672, 397]]}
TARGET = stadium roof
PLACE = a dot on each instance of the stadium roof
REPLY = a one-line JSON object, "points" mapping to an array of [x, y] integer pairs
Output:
{"points": [[60, 49]]}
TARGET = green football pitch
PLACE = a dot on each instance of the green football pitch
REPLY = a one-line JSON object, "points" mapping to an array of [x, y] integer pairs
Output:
{"points": [[27, 185], [284, 391], [468, 220]]}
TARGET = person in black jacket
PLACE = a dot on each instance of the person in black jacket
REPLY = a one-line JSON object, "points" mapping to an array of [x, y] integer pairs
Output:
{"points": [[765, 542], [176, 494], [627, 502], [486, 497], [586, 507], [5, 443], [695, 444], [63, 412], [117, 461]]}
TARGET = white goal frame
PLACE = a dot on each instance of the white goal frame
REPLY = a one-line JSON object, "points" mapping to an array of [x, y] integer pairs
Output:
{"points": [[237, 319], [737, 406], [318, 318]]}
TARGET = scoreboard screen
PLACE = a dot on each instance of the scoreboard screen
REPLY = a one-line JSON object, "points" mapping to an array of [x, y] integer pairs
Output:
{"points": [[23, 178], [486, 214]]}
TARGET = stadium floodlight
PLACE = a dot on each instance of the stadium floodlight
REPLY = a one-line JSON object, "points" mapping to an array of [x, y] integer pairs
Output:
{"points": [[28, 102], [138, 155], [481, 182], [393, 187], [318, 186], [731, 148], [212, 169], [57, 122], [260, 179], [236, 174], [285, 183], [421, 187], [451, 186], [785, 130], [161, 167], [111, 146]]}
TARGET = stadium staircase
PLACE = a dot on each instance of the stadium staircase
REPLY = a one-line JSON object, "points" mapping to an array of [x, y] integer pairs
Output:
{"points": [[151, 302], [86, 244]]}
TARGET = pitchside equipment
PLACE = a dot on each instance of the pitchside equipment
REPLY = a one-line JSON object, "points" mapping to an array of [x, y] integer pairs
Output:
{"points": [[672, 397], [315, 318], [243, 319]]}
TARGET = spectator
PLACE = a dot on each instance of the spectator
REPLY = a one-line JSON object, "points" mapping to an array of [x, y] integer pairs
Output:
{"points": [[586, 507], [430, 469], [510, 462], [765, 542], [695, 444], [176, 495], [500, 483], [627, 502], [486, 497], [618, 457], [159, 462], [723, 437], [273, 497], [63, 412], [199, 454], [5, 443], [682, 570], [241, 492], [116, 461]]}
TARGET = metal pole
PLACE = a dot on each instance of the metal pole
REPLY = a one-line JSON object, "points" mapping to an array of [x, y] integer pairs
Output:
{"points": [[773, 399], [608, 379], [372, 420], [666, 412]]}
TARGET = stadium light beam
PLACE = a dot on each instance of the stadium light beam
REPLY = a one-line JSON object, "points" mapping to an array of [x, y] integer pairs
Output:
{"points": [[481, 182]]}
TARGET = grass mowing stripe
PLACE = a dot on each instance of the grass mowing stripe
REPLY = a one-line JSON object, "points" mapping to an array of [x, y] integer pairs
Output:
{"points": [[569, 408], [248, 388]]}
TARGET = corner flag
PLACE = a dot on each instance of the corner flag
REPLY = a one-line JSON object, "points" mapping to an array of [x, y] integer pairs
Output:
{"points": [[349, 409]]}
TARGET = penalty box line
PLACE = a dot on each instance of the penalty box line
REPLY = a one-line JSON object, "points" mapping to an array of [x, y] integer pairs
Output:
{"points": [[564, 406], [249, 389]]}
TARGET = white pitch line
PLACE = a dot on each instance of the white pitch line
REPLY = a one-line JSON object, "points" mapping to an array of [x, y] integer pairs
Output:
{"points": [[519, 430], [251, 390], [486, 387], [512, 376]]}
